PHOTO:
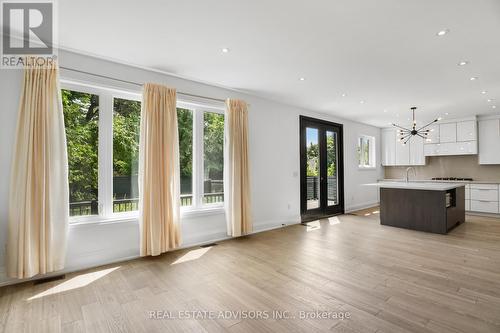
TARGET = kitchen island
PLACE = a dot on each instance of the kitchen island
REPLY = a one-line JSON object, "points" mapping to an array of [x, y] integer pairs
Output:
{"points": [[430, 207]]}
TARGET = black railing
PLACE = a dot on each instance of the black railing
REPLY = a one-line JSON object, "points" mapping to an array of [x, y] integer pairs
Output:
{"points": [[312, 186], [125, 205], [83, 208]]}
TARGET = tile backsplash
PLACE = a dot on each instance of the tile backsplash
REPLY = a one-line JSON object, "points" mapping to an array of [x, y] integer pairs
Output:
{"points": [[449, 166]]}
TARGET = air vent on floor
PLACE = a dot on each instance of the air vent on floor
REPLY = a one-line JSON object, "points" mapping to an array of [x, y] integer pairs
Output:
{"points": [[49, 279], [208, 245]]}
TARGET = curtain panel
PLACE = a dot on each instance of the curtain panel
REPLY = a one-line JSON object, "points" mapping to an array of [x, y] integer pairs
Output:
{"points": [[159, 174], [39, 198], [236, 169]]}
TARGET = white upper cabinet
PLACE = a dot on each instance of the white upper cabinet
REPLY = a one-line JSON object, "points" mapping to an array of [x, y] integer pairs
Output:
{"points": [[402, 153], [448, 132], [466, 131], [388, 147], [489, 141], [452, 137], [417, 156], [433, 136], [395, 153]]}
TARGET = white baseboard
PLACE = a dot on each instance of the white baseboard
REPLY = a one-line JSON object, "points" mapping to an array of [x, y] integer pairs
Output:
{"points": [[361, 206]]}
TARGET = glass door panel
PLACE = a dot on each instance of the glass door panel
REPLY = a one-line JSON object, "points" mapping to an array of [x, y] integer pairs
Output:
{"points": [[331, 168], [312, 168]]}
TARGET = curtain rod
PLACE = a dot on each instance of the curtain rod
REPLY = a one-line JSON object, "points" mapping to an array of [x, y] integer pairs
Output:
{"points": [[137, 84]]}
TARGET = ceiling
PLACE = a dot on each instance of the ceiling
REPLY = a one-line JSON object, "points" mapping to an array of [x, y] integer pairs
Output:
{"points": [[385, 52]]}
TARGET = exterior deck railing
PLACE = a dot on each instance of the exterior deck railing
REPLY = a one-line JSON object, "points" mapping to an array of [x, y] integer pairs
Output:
{"points": [[82, 208]]}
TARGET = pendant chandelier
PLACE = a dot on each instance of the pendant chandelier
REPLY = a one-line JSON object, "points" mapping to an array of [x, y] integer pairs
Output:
{"points": [[405, 134]]}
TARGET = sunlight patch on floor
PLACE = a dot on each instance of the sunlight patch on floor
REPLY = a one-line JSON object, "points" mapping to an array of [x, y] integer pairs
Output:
{"points": [[333, 220], [314, 225], [192, 255], [79, 281]]}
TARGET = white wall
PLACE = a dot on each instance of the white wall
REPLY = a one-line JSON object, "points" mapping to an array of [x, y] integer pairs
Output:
{"points": [[274, 157]]}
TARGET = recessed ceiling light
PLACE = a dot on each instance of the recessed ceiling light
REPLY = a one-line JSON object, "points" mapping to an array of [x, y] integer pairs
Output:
{"points": [[225, 50], [362, 102], [463, 63], [446, 113], [493, 106], [385, 111], [484, 92], [344, 95], [489, 100], [302, 79], [443, 32], [474, 78]]}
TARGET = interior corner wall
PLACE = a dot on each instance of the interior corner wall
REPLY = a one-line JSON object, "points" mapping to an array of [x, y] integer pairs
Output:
{"points": [[274, 164]]}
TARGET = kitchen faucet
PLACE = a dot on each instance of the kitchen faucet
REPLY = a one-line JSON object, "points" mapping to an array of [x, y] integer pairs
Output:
{"points": [[407, 171]]}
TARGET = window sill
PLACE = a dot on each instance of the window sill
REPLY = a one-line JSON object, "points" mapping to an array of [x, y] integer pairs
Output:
{"points": [[99, 220], [134, 216], [370, 168], [205, 211]]}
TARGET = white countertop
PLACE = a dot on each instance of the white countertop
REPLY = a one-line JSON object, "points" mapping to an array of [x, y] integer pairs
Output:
{"points": [[431, 186], [443, 181]]}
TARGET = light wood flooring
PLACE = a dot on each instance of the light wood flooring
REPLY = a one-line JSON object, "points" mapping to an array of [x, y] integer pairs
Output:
{"points": [[387, 279]]}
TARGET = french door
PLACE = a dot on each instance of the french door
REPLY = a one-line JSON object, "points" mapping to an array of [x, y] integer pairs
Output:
{"points": [[321, 169]]}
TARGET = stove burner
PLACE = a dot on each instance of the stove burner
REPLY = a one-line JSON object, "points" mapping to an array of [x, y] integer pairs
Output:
{"points": [[453, 178]]}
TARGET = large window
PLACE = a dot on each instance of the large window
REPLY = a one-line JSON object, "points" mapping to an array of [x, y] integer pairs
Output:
{"points": [[201, 150], [102, 131], [81, 117], [366, 152]]}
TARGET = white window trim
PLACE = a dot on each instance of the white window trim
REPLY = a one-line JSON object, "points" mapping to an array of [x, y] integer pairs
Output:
{"points": [[198, 208], [372, 153], [105, 153]]}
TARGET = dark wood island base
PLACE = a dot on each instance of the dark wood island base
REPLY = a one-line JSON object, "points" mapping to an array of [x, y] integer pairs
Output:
{"points": [[422, 210]]}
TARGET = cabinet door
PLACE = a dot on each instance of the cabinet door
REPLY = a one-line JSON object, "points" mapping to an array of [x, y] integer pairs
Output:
{"points": [[466, 131], [431, 149], [448, 132], [433, 136], [402, 153], [417, 151], [489, 141], [466, 148], [388, 147]]}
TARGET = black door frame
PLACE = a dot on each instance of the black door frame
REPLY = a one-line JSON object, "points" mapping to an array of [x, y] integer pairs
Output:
{"points": [[323, 211]]}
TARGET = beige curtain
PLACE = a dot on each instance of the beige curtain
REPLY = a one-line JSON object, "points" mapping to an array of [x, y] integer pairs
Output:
{"points": [[38, 207], [159, 175], [236, 169]]}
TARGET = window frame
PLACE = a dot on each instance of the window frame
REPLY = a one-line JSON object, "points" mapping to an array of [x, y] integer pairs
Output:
{"points": [[198, 110], [362, 165], [105, 152]]}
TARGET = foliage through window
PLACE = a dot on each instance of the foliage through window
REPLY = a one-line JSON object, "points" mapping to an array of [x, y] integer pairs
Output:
{"points": [[213, 157], [185, 127], [126, 125], [366, 151], [81, 118]]}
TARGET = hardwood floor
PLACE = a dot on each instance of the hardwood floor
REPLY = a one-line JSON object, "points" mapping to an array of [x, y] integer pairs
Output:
{"points": [[385, 279]]}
